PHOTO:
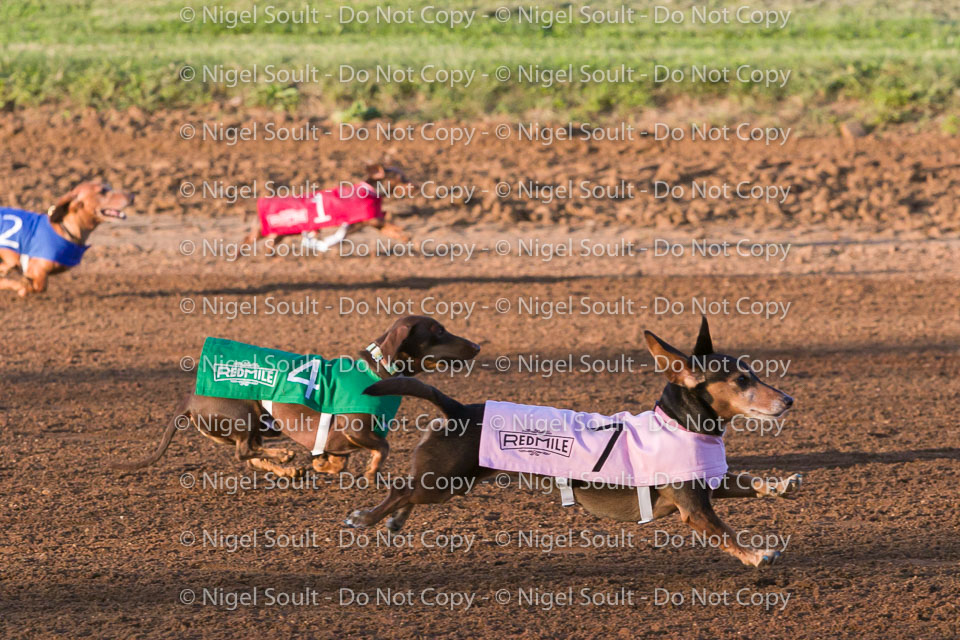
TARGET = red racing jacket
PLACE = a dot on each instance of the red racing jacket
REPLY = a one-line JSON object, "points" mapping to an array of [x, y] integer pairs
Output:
{"points": [[329, 208]]}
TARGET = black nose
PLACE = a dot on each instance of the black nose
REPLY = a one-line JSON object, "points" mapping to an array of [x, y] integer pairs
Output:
{"points": [[787, 400]]}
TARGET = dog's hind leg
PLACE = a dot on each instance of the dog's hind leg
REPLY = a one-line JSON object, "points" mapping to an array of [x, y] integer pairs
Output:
{"points": [[379, 449], [253, 235], [12, 285], [399, 517], [398, 499], [392, 231], [399, 502], [745, 485], [9, 261], [271, 245], [37, 283]]}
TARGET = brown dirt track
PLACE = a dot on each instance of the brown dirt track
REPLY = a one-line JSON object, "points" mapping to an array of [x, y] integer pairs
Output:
{"points": [[90, 373]]}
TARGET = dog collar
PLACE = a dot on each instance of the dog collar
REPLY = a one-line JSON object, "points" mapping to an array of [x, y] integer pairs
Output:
{"points": [[374, 350], [75, 239]]}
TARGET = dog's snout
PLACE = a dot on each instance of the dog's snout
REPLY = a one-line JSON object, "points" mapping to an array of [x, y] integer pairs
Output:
{"points": [[787, 401]]}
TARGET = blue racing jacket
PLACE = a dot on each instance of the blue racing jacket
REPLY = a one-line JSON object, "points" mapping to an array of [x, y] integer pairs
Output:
{"points": [[31, 234]]}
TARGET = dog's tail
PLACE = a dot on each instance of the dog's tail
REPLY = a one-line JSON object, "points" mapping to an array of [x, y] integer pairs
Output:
{"points": [[179, 421], [403, 386]]}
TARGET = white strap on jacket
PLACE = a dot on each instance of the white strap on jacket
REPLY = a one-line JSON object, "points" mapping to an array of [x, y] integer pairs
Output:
{"points": [[566, 492], [646, 505], [643, 499], [325, 244], [323, 428], [323, 431]]}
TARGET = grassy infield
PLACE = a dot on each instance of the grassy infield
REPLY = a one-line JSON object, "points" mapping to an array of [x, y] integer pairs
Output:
{"points": [[888, 61]]}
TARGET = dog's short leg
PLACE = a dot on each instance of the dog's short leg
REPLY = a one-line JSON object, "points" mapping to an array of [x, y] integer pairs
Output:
{"points": [[251, 238], [266, 465], [394, 232], [249, 449], [377, 456], [283, 455], [330, 463], [788, 487], [399, 498], [396, 521], [23, 285], [389, 229], [697, 513], [33, 284], [744, 485], [270, 242]]}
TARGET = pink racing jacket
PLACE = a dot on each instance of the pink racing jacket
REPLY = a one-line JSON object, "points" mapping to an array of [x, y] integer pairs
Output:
{"points": [[647, 449], [329, 208]]}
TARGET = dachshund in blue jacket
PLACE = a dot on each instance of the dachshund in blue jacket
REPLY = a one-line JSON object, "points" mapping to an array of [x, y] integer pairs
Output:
{"points": [[35, 245]]}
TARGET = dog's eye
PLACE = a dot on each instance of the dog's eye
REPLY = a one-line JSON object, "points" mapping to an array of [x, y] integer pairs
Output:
{"points": [[743, 380]]}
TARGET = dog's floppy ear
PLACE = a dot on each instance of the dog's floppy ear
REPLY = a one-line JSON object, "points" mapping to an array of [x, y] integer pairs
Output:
{"points": [[375, 172], [704, 345], [391, 341], [672, 362], [59, 210]]}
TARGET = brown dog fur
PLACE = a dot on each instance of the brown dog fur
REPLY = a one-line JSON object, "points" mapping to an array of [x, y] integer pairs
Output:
{"points": [[715, 391], [74, 217], [415, 343], [382, 179]]}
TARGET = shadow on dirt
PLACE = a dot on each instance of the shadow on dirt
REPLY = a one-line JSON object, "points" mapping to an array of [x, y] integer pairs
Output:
{"points": [[422, 283], [840, 459]]}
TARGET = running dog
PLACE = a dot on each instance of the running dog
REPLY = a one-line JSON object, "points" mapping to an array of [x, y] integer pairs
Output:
{"points": [[703, 394], [38, 246], [413, 344], [349, 208]]}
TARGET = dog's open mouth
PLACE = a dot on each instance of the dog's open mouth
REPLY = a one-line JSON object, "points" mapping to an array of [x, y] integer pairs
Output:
{"points": [[113, 213], [763, 415]]}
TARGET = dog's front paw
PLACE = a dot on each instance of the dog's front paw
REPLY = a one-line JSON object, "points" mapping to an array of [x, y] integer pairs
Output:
{"points": [[355, 520], [394, 523], [327, 466], [286, 455], [762, 558], [290, 472], [789, 487]]}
